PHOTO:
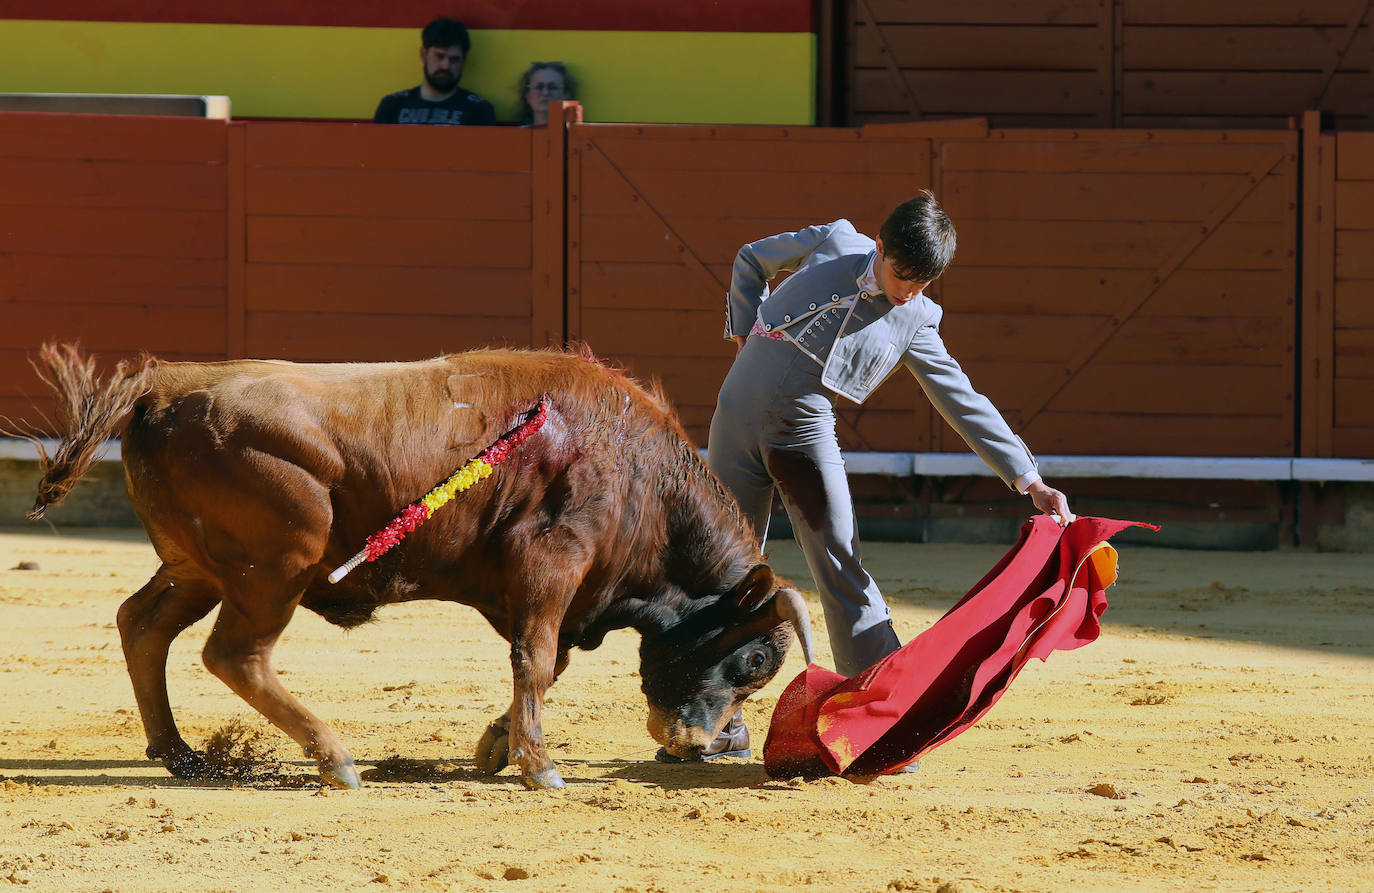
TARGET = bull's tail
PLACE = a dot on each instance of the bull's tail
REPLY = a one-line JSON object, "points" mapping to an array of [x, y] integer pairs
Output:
{"points": [[88, 411]]}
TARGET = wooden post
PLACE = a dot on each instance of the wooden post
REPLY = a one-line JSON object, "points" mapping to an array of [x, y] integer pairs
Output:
{"points": [[1317, 308], [1108, 61], [235, 259], [825, 63], [849, 40], [572, 305], [548, 314]]}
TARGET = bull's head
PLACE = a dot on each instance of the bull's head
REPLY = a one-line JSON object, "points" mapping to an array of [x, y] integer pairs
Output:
{"points": [[698, 672]]}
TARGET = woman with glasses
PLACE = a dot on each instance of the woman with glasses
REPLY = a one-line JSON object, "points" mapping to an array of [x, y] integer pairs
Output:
{"points": [[542, 83]]}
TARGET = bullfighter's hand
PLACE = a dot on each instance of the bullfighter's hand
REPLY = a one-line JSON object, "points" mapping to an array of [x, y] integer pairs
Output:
{"points": [[1050, 501], [739, 342]]}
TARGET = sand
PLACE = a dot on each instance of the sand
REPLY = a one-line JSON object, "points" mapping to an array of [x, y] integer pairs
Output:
{"points": [[1216, 737]]}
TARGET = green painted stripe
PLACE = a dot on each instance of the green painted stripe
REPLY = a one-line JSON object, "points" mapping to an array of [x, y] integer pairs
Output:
{"points": [[301, 72]]}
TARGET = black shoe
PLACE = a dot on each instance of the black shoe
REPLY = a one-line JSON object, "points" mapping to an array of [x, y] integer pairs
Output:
{"points": [[733, 741]]}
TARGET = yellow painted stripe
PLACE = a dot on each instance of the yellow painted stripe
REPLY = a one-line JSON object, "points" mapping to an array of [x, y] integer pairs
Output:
{"points": [[308, 72]]}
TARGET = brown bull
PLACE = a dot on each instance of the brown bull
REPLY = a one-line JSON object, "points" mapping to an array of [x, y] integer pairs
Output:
{"points": [[255, 479]]}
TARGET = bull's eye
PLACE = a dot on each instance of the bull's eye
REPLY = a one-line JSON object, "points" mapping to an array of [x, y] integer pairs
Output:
{"points": [[752, 665]]}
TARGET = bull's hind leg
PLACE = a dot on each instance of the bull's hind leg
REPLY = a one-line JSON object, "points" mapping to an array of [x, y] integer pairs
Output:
{"points": [[239, 652], [148, 622]]}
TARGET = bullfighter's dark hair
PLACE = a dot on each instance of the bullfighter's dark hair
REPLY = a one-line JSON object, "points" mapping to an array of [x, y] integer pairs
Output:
{"points": [[918, 238], [445, 32]]}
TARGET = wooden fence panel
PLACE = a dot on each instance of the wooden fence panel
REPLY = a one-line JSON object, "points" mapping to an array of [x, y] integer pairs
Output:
{"points": [[112, 232], [1115, 291], [365, 242], [1038, 63], [1240, 63], [1243, 63], [1227, 64], [1318, 249], [1352, 312], [1126, 293], [656, 216]]}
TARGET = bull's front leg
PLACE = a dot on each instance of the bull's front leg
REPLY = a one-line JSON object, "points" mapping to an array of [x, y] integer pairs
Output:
{"points": [[493, 750], [533, 660]]}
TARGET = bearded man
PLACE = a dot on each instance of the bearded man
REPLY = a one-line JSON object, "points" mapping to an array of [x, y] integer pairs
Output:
{"points": [[444, 46]]}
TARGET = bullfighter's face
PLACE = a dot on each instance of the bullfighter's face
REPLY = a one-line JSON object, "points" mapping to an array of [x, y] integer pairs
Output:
{"points": [[698, 672], [898, 290]]}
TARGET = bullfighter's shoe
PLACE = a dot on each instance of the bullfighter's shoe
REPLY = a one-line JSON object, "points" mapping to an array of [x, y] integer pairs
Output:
{"points": [[733, 741]]}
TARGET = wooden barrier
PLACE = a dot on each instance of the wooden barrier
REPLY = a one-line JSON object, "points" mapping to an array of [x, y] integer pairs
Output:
{"points": [[363, 242], [1242, 63], [112, 231], [1133, 63], [1130, 293], [201, 240], [1338, 294], [657, 214], [1116, 292], [1353, 314], [1038, 63]]}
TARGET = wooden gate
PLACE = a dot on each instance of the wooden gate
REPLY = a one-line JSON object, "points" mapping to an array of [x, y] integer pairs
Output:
{"points": [[1127, 292], [657, 214]]}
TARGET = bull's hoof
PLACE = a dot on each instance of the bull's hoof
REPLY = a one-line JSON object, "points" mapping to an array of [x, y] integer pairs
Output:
{"points": [[493, 751], [184, 764], [341, 775], [546, 779]]}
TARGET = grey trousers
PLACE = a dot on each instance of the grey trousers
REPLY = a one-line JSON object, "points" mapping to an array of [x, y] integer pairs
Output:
{"points": [[774, 427]]}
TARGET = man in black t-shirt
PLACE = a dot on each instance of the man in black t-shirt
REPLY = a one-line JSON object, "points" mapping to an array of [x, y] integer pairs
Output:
{"points": [[444, 46]]}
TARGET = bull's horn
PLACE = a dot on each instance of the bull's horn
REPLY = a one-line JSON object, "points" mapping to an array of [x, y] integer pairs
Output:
{"points": [[792, 608]]}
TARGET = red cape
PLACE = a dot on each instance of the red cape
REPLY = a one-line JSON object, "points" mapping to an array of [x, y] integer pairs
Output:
{"points": [[1047, 593]]}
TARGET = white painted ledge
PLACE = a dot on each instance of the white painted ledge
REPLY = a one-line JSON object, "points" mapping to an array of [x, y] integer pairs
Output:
{"points": [[1165, 467], [1208, 468], [184, 105], [14, 448], [1333, 469]]}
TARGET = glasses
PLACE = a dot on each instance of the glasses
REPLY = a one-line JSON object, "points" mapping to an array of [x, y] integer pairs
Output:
{"points": [[546, 87]]}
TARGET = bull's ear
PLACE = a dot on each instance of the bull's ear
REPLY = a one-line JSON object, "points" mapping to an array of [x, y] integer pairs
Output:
{"points": [[755, 589]]}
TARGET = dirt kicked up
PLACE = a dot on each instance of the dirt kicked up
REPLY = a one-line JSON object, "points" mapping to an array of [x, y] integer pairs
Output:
{"points": [[1216, 737]]}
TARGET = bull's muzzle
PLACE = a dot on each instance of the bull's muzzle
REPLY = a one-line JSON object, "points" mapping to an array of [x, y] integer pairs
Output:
{"points": [[686, 742]]}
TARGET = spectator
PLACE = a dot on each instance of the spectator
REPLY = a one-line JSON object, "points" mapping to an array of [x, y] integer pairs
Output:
{"points": [[444, 46], [542, 83]]}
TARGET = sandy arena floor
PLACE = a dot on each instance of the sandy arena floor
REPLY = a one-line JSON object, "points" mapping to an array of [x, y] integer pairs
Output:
{"points": [[1227, 704]]}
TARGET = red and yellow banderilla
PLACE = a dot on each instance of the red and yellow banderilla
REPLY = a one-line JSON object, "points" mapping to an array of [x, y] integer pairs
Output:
{"points": [[420, 511]]}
